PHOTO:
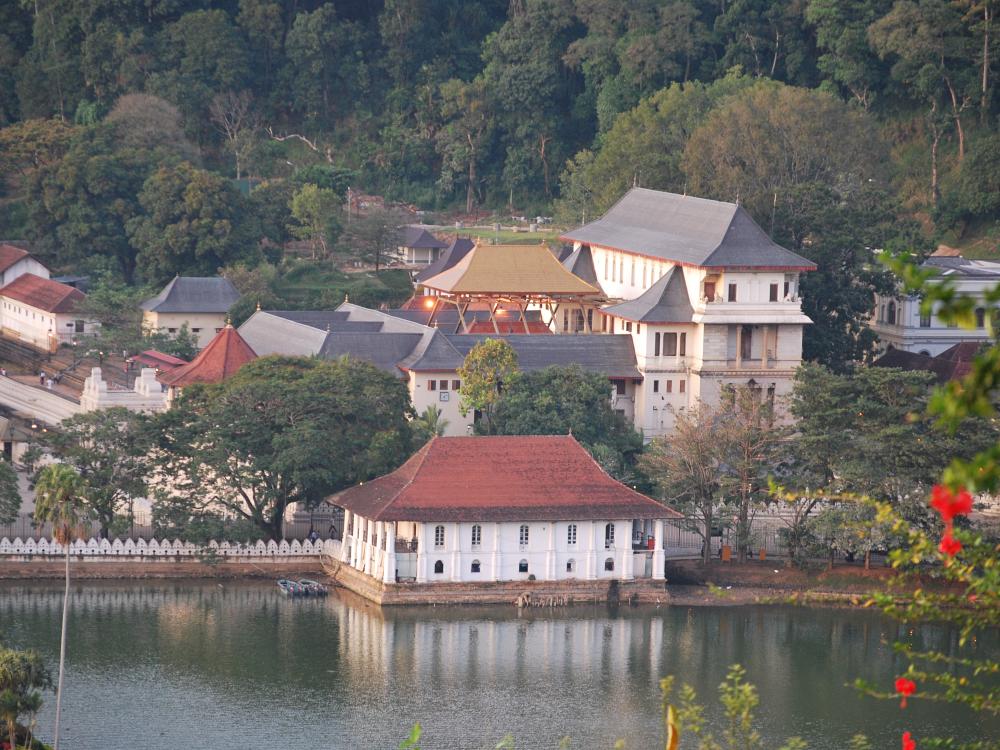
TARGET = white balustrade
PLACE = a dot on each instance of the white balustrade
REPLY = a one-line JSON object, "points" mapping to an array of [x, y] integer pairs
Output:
{"points": [[166, 549]]}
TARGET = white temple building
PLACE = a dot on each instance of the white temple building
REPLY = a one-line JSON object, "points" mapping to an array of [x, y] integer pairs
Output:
{"points": [[503, 508]]}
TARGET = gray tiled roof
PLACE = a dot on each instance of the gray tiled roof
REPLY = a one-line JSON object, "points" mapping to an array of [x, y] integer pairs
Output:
{"points": [[418, 237], [194, 294], [271, 333], [447, 316], [581, 263], [434, 353], [458, 249], [666, 301], [384, 350], [328, 320], [685, 229], [607, 354], [959, 266]]}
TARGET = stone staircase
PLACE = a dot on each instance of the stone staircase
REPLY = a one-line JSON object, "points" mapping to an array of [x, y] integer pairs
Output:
{"points": [[70, 366]]}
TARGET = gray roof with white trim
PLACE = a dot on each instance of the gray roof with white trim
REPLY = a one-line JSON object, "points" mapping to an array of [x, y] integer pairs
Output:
{"points": [[689, 230], [666, 301], [194, 294]]}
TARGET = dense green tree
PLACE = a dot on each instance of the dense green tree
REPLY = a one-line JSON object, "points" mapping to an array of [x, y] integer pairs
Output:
{"points": [[10, 494], [568, 400], [23, 677], [15, 38], [769, 138], [29, 144], [151, 124], [49, 79], [768, 39], [463, 138], [643, 147], [325, 63], [845, 57], [840, 231], [59, 501], [280, 431], [930, 48], [79, 205], [106, 448], [312, 210], [192, 222], [200, 55], [488, 369]]}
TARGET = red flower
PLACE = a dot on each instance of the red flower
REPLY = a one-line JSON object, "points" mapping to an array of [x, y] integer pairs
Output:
{"points": [[905, 688], [949, 545], [908, 742], [949, 505]]}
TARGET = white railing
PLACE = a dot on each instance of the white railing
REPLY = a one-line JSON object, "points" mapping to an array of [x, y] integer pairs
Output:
{"points": [[167, 549]]}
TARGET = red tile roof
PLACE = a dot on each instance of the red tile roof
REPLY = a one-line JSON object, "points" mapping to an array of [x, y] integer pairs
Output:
{"points": [[224, 355], [9, 255], [502, 478], [43, 294], [160, 360]]}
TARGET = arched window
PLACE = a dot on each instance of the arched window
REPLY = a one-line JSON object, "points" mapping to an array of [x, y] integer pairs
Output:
{"points": [[571, 534], [980, 317], [522, 537], [438, 567], [439, 536], [522, 567], [571, 566], [475, 566], [477, 535], [925, 352], [891, 314], [609, 564], [609, 536]]}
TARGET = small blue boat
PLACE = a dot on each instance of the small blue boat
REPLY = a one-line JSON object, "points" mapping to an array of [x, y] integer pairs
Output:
{"points": [[290, 588], [312, 588]]}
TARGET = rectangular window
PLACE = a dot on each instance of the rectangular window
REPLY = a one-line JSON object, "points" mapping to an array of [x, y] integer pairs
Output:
{"points": [[628, 326], [477, 535], [195, 330], [774, 292], [710, 291], [638, 327], [443, 385], [619, 387], [439, 536], [670, 344], [680, 385], [786, 289], [656, 345], [522, 537], [432, 385], [606, 275], [732, 292], [656, 386], [632, 271], [571, 534], [925, 320], [684, 343], [670, 386], [456, 384]]}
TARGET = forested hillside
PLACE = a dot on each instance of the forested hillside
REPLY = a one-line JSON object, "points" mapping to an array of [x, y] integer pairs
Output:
{"points": [[841, 113]]}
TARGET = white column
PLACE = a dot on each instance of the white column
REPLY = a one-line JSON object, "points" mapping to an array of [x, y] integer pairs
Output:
{"points": [[345, 539], [369, 545], [422, 553], [658, 554], [628, 557], [594, 558], [456, 545], [355, 540], [389, 567], [497, 558], [550, 553]]}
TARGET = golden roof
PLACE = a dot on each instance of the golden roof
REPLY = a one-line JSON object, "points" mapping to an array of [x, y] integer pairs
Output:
{"points": [[509, 269]]}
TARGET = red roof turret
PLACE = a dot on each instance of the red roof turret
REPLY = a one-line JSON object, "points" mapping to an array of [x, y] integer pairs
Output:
{"points": [[224, 355]]}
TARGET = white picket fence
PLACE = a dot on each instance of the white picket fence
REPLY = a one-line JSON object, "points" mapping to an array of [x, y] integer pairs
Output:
{"points": [[104, 548]]}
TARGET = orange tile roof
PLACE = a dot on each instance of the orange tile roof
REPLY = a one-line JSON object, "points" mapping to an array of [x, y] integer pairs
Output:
{"points": [[224, 355], [43, 294], [500, 478], [9, 255]]}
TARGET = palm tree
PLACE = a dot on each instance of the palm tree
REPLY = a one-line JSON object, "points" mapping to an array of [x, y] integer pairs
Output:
{"points": [[431, 423], [59, 501]]}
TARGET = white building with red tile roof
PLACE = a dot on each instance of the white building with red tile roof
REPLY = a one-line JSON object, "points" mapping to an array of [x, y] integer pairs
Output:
{"points": [[42, 312], [501, 508], [15, 261]]}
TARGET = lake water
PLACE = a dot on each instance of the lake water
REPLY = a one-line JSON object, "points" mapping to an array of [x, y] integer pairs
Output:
{"points": [[207, 665]]}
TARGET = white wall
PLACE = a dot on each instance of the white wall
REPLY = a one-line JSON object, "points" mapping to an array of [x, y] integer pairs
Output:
{"points": [[23, 266], [40, 328], [445, 400], [202, 325]]}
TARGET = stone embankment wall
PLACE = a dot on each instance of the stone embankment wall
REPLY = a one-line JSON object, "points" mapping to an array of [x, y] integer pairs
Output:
{"points": [[155, 559], [529, 593]]}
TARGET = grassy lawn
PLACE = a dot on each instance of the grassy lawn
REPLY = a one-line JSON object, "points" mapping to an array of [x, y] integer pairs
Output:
{"points": [[310, 285], [507, 236]]}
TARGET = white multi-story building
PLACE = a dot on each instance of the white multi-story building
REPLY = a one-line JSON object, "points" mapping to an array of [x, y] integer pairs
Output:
{"points": [[899, 323], [708, 298], [199, 302]]}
